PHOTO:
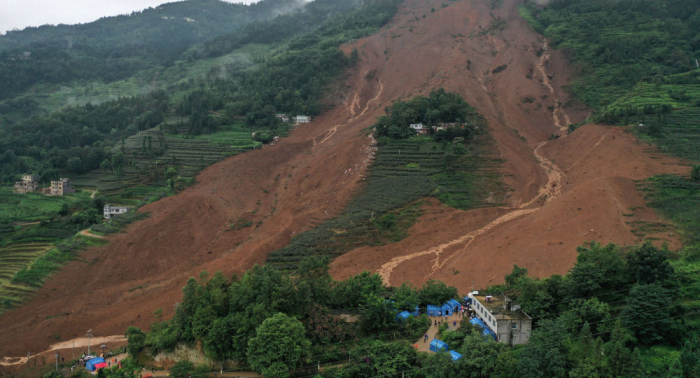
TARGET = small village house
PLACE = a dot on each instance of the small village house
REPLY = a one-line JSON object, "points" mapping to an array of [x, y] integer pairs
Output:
{"points": [[503, 316], [282, 117], [61, 187], [302, 119], [419, 128], [29, 183], [112, 210]]}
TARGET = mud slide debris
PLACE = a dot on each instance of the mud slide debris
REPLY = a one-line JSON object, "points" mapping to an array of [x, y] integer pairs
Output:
{"points": [[546, 193]]}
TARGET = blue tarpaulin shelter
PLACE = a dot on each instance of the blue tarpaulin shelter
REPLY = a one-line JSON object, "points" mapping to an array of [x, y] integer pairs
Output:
{"points": [[438, 346], [467, 300], [433, 310], [90, 364], [402, 316], [455, 356], [416, 312], [447, 309], [486, 330], [454, 304]]}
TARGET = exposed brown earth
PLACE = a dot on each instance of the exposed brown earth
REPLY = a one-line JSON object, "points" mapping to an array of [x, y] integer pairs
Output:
{"points": [[560, 189]]}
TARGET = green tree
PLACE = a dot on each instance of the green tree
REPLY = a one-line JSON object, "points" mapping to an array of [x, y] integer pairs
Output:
{"points": [[279, 346], [181, 369], [598, 269], [352, 291], [436, 292], [695, 173], [383, 359], [406, 297], [647, 313], [377, 313], [546, 353], [649, 264], [622, 362], [135, 341]]}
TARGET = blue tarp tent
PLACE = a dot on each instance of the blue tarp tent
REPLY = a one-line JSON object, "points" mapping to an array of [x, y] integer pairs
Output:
{"points": [[402, 316], [433, 310], [455, 356], [467, 300], [90, 364], [454, 304], [486, 330], [438, 346], [447, 310], [416, 312]]}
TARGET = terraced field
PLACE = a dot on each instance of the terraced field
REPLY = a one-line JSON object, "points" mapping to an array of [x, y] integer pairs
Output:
{"points": [[401, 174], [187, 154], [678, 133], [14, 258]]}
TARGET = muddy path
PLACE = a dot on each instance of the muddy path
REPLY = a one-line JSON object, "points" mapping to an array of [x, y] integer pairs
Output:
{"points": [[548, 192], [562, 192], [566, 189]]}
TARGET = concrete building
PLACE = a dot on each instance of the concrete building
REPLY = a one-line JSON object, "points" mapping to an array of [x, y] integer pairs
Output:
{"points": [[282, 117], [61, 187], [419, 128], [112, 210], [29, 183], [302, 119], [503, 316]]}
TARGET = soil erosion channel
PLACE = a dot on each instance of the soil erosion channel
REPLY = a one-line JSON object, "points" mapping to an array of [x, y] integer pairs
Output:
{"points": [[494, 60]]}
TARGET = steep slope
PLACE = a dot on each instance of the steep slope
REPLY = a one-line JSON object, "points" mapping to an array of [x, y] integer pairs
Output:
{"points": [[561, 189]]}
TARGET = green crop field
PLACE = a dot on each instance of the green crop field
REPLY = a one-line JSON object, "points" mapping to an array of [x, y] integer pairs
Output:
{"points": [[402, 173], [31, 207], [14, 258]]}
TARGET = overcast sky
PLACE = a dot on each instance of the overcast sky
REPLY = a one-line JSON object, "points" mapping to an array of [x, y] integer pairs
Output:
{"points": [[22, 13]]}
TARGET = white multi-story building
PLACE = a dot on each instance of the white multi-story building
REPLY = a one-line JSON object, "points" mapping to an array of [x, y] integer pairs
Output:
{"points": [[503, 316], [112, 210], [302, 119]]}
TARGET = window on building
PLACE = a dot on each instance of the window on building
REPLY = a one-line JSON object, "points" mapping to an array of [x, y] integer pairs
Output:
{"points": [[514, 326]]}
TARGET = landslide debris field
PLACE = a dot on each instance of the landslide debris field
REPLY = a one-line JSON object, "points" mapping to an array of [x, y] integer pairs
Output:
{"points": [[564, 189]]}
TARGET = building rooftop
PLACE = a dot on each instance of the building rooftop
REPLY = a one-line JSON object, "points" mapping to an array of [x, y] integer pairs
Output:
{"points": [[495, 306]]}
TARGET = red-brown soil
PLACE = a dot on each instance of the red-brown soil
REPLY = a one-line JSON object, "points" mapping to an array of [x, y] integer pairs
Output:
{"points": [[560, 190]]}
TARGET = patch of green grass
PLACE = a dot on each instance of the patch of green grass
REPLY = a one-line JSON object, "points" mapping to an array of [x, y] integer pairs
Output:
{"points": [[31, 207], [403, 172]]}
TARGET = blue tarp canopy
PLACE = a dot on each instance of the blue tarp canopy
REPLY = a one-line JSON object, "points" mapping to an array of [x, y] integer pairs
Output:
{"points": [[486, 330], [455, 356], [467, 300], [433, 310], [402, 316], [416, 312], [90, 364], [447, 309], [454, 304], [438, 346]]}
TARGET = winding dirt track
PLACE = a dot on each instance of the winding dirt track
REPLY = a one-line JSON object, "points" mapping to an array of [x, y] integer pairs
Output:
{"points": [[563, 191]]}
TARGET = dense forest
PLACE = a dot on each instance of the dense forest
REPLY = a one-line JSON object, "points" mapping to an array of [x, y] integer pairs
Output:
{"points": [[292, 79], [633, 56], [606, 318], [115, 48]]}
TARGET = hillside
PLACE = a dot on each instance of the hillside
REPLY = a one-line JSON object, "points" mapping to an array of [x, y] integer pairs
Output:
{"points": [[567, 183], [115, 48], [484, 52]]}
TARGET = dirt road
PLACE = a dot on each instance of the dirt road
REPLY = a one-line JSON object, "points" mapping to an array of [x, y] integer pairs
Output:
{"points": [[563, 191]]}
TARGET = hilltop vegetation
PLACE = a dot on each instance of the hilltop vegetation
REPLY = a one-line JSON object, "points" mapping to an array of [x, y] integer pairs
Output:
{"points": [[457, 166], [115, 48]]}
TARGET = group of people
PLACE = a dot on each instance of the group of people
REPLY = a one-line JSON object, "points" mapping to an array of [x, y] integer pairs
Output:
{"points": [[461, 312]]}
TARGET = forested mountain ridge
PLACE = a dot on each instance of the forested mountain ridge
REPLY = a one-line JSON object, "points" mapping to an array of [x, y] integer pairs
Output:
{"points": [[114, 48], [289, 74]]}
